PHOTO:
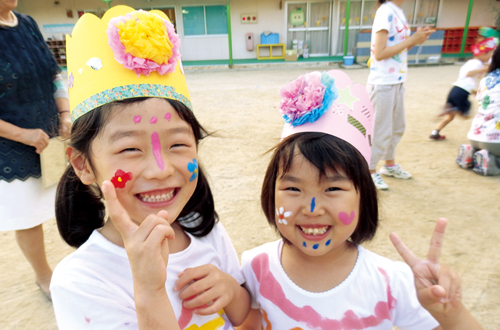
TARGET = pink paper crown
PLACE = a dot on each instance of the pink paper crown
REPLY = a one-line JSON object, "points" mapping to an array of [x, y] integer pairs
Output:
{"points": [[329, 103]]}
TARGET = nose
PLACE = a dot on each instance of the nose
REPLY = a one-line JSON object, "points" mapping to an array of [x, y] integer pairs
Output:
{"points": [[158, 166], [313, 207]]}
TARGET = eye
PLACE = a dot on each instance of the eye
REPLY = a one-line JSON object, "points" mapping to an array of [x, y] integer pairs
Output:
{"points": [[177, 145], [333, 189], [129, 150], [293, 189]]}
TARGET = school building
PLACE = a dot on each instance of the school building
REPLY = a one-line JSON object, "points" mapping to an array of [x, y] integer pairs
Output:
{"points": [[227, 32]]}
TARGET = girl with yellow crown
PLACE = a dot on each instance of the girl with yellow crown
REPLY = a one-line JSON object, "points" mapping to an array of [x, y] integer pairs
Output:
{"points": [[161, 260]]}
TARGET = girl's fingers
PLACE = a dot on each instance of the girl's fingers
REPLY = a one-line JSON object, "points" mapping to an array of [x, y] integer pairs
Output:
{"points": [[403, 250], [190, 274], [437, 241], [116, 212]]}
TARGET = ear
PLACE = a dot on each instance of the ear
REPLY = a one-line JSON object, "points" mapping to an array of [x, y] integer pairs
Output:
{"points": [[81, 166]]}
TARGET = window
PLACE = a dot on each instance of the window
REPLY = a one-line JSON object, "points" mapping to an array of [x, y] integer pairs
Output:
{"points": [[204, 20]]}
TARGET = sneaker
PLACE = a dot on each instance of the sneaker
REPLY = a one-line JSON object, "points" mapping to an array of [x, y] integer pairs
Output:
{"points": [[464, 158], [395, 171], [379, 183], [481, 160], [436, 137]]}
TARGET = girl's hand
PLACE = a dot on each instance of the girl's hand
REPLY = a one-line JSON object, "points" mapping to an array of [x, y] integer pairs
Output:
{"points": [[421, 35], [438, 287], [146, 244], [206, 289]]}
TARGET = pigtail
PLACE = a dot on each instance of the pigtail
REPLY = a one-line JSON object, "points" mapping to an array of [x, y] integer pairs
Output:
{"points": [[79, 209]]}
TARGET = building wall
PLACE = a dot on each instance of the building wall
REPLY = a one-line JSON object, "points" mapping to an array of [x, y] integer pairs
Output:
{"points": [[270, 13], [453, 13]]}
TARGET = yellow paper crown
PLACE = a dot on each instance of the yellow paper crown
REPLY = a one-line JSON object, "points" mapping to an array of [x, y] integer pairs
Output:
{"points": [[106, 66]]}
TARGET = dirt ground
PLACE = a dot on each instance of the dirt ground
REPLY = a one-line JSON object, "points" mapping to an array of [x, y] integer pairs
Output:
{"points": [[240, 105]]}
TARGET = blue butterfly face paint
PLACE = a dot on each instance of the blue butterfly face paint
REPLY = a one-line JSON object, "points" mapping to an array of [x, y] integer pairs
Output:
{"points": [[313, 204]]}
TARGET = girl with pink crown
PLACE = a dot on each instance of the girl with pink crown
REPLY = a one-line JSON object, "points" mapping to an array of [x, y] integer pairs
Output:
{"points": [[318, 194]]}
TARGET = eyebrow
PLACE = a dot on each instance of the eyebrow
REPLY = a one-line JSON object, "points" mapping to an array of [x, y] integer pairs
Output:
{"points": [[330, 178], [136, 133]]}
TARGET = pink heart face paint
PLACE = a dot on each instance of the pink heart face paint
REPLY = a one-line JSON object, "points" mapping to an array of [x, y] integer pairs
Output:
{"points": [[137, 119], [155, 141], [153, 120], [168, 116], [345, 218]]}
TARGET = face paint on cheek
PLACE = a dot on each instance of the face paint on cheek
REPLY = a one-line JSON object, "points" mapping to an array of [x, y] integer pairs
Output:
{"points": [[345, 218], [193, 168], [313, 204], [153, 120], [121, 178], [282, 215], [155, 141], [137, 119]]}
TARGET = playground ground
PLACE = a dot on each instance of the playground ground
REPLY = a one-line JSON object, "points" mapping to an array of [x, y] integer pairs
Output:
{"points": [[240, 105]]}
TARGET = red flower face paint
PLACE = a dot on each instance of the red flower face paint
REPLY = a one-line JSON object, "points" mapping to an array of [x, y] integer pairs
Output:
{"points": [[121, 178]]}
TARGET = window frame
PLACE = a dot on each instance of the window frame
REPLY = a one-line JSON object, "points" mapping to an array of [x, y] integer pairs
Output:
{"points": [[206, 35]]}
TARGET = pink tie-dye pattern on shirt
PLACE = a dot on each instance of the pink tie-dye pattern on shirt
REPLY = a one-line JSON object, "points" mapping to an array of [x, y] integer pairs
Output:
{"points": [[271, 290]]}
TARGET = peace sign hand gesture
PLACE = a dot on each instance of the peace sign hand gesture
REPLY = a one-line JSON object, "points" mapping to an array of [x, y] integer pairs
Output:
{"points": [[438, 287], [146, 244]]}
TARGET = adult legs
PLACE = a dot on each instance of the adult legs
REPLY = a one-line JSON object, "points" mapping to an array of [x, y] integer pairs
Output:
{"points": [[32, 245]]}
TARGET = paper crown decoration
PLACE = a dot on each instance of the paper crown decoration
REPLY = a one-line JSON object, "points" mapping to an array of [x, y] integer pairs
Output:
{"points": [[484, 46], [329, 103], [125, 54]]}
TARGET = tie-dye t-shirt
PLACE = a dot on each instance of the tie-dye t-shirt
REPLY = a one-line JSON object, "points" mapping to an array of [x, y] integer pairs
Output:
{"points": [[393, 70], [378, 294], [92, 288], [486, 124]]}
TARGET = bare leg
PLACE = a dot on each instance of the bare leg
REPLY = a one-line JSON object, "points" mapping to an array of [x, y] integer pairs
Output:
{"points": [[447, 119], [390, 162], [32, 245]]}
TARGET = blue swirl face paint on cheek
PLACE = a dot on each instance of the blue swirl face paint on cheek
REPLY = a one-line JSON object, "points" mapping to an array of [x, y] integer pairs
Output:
{"points": [[313, 204], [315, 246]]}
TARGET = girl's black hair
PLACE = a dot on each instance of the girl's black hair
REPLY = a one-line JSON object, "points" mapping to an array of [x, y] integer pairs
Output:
{"points": [[324, 151], [495, 60], [79, 207]]}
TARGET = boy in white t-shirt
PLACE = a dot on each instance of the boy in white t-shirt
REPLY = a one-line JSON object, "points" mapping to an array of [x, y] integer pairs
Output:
{"points": [[468, 77]]}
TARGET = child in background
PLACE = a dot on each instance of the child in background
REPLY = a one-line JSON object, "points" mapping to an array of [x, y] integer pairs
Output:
{"points": [[318, 194], [161, 260], [470, 73], [483, 152], [390, 42]]}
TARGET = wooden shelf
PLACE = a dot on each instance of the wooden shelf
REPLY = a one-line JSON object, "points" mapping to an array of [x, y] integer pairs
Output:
{"points": [[58, 49], [270, 51]]}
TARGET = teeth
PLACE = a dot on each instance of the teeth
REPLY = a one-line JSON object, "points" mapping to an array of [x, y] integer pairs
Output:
{"points": [[314, 231], [156, 198]]}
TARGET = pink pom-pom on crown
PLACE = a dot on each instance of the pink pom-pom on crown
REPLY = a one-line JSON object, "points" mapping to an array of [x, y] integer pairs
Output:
{"points": [[302, 95], [142, 65]]}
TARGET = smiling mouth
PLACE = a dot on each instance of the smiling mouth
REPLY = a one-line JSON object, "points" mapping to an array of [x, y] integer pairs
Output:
{"points": [[157, 197], [314, 231]]}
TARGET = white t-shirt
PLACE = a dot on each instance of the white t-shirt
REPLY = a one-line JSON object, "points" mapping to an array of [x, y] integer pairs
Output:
{"points": [[378, 294], [92, 288], [486, 124], [393, 70], [469, 83]]}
